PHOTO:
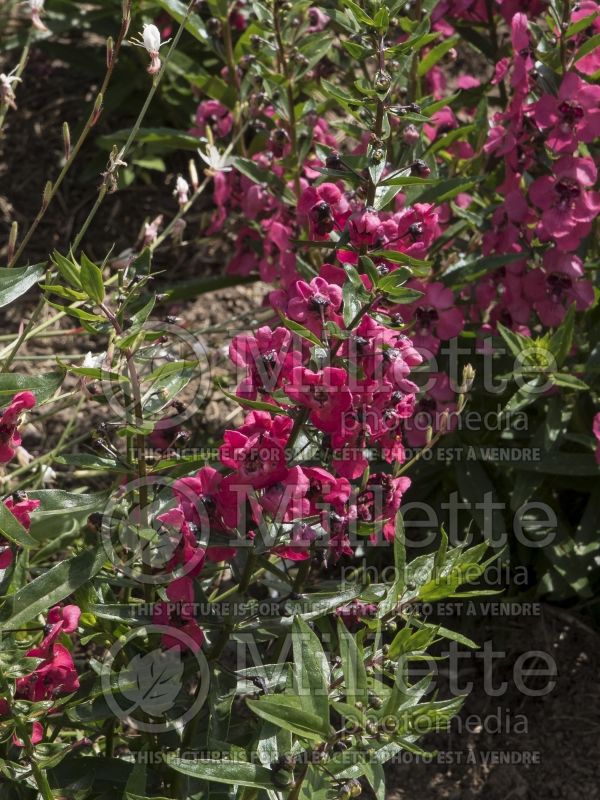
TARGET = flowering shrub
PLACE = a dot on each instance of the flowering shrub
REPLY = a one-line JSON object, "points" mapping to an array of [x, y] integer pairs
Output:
{"points": [[417, 227]]}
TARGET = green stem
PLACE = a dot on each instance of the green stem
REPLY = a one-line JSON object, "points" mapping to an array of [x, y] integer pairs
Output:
{"points": [[18, 73], [38, 775], [284, 66], [90, 122]]}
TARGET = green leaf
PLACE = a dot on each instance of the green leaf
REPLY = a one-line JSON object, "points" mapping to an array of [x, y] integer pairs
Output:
{"points": [[50, 588], [238, 773], [11, 529], [353, 667], [258, 405], [57, 502], [16, 281], [91, 279], [289, 712], [300, 330], [444, 190], [516, 342], [397, 587], [589, 46], [561, 340], [352, 304], [310, 670], [394, 280], [568, 381], [463, 271], [67, 269], [43, 386], [435, 54], [358, 13], [396, 257]]}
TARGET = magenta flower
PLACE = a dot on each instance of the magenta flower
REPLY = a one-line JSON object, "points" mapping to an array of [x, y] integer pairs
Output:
{"points": [[570, 118], [325, 393], [259, 459], [179, 614], [56, 675], [568, 206], [216, 116], [590, 63], [60, 620], [435, 315], [317, 19], [10, 437], [268, 358], [324, 207], [430, 411], [21, 507], [286, 501], [315, 303], [364, 228], [380, 501], [554, 288]]}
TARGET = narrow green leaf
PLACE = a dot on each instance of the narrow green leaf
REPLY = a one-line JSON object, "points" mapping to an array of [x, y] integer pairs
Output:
{"points": [[50, 588], [16, 281]]}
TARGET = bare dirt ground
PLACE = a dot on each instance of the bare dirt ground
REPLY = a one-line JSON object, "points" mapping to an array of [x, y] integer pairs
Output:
{"points": [[514, 745]]}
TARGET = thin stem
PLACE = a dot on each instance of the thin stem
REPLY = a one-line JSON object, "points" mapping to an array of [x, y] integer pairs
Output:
{"points": [[18, 72], [23, 335], [38, 775], [283, 65], [90, 122], [120, 157]]}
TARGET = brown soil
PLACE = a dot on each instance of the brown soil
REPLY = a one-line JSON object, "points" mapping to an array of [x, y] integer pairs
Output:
{"points": [[514, 745]]}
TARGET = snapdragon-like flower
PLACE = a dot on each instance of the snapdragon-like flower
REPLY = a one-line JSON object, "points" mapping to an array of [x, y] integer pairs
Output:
{"points": [[10, 438], [150, 41], [571, 117]]}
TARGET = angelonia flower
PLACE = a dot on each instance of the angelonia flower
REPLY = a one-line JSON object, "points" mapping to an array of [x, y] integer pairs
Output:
{"points": [[55, 675], [10, 438]]}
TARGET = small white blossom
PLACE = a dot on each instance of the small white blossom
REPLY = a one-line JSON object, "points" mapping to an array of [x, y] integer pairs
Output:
{"points": [[182, 191], [93, 361], [217, 162], [48, 474], [150, 40], [7, 94], [36, 9]]}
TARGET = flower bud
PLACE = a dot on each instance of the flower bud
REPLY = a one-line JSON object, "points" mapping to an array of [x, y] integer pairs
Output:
{"points": [[420, 169], [410, 134]]}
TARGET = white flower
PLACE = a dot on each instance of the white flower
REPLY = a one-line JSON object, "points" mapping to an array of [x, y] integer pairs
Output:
{"points": [[48, 474], [36, 9], [7, 94], [217, 162], [182, 190], [151, 39], [92, 361]]}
